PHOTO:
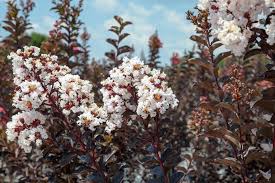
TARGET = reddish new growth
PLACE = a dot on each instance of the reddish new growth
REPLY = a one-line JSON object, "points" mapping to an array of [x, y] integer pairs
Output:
{"points": [[175, 59], [206, 54], [155, 42], [55, 35], [3, 117], [235, 87], [200, 118]]}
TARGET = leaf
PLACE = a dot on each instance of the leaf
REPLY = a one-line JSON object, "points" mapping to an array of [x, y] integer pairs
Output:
{"points": [[252, 52], [214, 47], [95, 177], [157, 171], [115, 29], [110, 55], [257, 156], [222, 56], [230, 108], [126, 23], [148, 160], [9, 29], [267, 147], [150, 148], [201, 63], [269, 76], [112, 42], [123, 36], [107, 158], [233, 163], [266, 175], [269, 93], [266, 104], [79, 169], [66, 159], [214, 40], [124, 49], [10, 23], [85, 158], [198, 39], [166, 153], [266, 132], [223, 133], [188, 157], [181, 169], [258, 125], [118, 19], [176, 177], [155, 180], [118, 177]]}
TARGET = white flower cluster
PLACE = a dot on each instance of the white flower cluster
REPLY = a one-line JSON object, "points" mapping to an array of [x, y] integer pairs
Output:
{"points": [[27, 128], [134, 87], [28, 63], [43, 84], [29, 95], [154, 95], [270, 30], [75, 93], [92, 117], [231, 21]]}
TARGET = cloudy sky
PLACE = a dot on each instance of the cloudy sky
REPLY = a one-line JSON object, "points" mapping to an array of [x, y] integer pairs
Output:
{"points": [[166, 16]]}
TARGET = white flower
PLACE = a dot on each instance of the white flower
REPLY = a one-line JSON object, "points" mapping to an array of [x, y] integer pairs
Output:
{"points": [[29, 96], [231, 20], [92, 117], [26, 128], [134, 88], [233, 38], [154, 95], [203, 4], [75, 93], [270, 31]]}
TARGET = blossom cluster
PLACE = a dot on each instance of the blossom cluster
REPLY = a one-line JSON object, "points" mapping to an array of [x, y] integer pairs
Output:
{"points": [[75, 94], [43, 87], [200, 117], [135, 88], [231, 21], [235, 87], [41, 83], [27, 128]]}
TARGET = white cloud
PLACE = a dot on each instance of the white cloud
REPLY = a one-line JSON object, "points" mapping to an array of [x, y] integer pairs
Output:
{"points": [[44, 26], [176, 19], [105, 5], [138, 10]]}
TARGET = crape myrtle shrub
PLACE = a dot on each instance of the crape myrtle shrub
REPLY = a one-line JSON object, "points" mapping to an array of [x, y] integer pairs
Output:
{"points": [[208, 117]]}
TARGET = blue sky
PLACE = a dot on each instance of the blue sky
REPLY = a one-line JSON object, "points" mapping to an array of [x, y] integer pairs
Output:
{"points": [[166, 16]]}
